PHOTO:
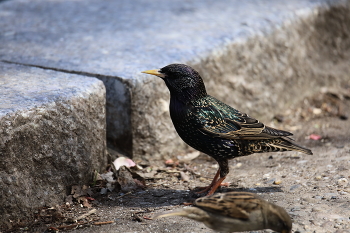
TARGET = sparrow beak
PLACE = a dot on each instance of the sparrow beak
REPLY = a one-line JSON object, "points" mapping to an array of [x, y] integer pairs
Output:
{"points": [[154, 72]]}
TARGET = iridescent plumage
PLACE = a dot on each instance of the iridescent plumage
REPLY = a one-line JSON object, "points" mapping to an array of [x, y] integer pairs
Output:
{"points": [[213, 127]]}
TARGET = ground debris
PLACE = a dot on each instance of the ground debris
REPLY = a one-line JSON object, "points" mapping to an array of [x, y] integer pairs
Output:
{"points": [[129, 181], [309, 187]]}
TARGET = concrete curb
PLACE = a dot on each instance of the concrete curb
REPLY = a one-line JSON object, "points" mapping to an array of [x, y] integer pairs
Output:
{"points": [[52, 135]]}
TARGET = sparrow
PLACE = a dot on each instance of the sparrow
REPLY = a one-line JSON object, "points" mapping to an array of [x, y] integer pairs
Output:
{"points": [[213, 127], [235, 212]]}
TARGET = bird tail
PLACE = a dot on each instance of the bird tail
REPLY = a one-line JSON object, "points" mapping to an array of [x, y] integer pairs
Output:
{"points": [[179, 212], [189, 212], [287, 144], [272, 145]]}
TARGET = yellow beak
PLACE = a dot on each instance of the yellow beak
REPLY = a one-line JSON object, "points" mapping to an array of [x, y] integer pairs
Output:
{"points": [[154, 72]]}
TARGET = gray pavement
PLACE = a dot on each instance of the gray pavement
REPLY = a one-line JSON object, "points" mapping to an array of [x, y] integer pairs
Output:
{"points": [[122, 38]]}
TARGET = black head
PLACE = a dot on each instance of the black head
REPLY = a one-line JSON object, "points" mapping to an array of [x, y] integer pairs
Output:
{"points": [[182, 80]]}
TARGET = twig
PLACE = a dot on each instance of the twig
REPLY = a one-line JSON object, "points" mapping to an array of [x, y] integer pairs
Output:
{"points": [[173, 171], [68, 226], [187, 168], [85, 215], [123, 195], [102, 223]]}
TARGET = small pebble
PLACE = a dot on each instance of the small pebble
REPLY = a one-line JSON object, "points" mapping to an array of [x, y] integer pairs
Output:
{"points": [[330, 194], [341, 231], [277, 182], [308, 199], [317, 209], [316, 111], [293, 214], [293, 187], [103, 191], [266, 176], [342, 182], [271, 181], [295, 156], [327, 224], [296, 208], [302, 161]]}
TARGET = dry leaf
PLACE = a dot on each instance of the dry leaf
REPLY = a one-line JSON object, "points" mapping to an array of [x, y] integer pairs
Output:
{"points": [[84, 201], [184, 177], [128, 180], [108, 177]]}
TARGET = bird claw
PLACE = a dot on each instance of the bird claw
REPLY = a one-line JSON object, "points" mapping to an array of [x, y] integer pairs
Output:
{"points": [[205, 189]]}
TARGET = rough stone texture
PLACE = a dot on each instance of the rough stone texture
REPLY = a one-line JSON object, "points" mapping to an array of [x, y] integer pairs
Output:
{"points": [[263, 75], [270, 73], [240, 47], [52, 135]]}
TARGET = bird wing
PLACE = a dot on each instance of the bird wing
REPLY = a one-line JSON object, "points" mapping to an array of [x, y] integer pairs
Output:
{"points": [[221, 120], [233, 204]]}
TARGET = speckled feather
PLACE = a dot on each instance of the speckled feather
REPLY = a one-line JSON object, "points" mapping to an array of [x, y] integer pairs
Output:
{"points": [[235, 204], [213, 127], [236, 211]]}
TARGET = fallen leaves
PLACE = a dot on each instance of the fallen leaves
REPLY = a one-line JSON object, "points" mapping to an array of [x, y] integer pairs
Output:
{"points": [[80, 194], [124, 176], [64, 217], [326, 103], [129, 180], [120, 177]]}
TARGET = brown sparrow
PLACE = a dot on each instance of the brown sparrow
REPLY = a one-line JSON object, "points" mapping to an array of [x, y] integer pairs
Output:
{"points": [[234, 212]]}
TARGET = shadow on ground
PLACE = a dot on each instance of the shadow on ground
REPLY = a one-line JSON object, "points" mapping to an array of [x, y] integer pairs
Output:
{"points": [[168, 197]]}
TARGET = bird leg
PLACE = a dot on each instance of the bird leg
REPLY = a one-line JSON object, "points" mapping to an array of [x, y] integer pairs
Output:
{"points": [[216, 185], [222, 172], [216, 182], [206, 189]]}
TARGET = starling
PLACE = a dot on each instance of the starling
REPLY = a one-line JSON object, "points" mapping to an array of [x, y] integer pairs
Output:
{"points": [[236, 212], [213, 127]]}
